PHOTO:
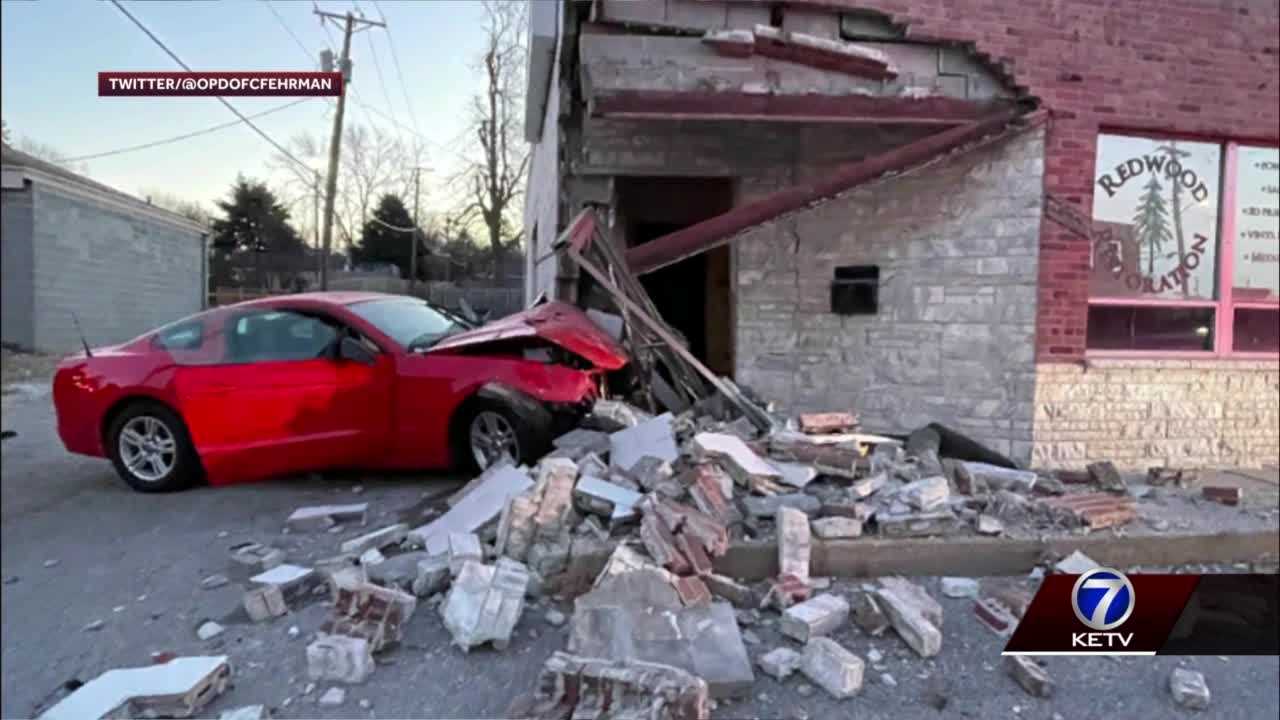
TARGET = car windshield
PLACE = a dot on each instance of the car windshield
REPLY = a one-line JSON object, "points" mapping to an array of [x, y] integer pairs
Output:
{"points": [[414, 324]]}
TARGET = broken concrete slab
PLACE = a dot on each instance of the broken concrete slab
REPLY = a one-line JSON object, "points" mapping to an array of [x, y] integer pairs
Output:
{"points": [[605, 498], [927, 494], [1189, 689], [251, 558], [836, 528], [581, 443], [397, 571], [477, 509], [846, 507], [584, 687], [793, 543], [653, 438], [433, 575], [999, 478], [548, 558], [833, 668], [340, 658], [616, 414], [332, 697], [178, 688], [827, 459], [797, 475], [248, 712], [1030, 676], [485, 603], [909, 621], [650, 472], [780, 663], [767, 507], [929, 607], [264, 602], [463, 547], [746, 467], [209, 630], [371, 557], [820, 615], [1077, 563], [988, 525], [375, 540], [323, 517], [868, 486]]}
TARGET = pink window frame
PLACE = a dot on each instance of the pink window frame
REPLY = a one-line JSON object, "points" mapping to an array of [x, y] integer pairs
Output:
{"points": [[1225, 306]]}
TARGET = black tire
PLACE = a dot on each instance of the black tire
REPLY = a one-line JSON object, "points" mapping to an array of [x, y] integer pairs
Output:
{"points": [[531, 440], [184, 470]]}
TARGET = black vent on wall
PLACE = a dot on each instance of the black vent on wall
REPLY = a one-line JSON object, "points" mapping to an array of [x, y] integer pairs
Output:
{"points": [[856, 290]]}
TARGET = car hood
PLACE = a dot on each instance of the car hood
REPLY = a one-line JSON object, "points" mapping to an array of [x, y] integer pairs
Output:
{"points": [[556, 322]]}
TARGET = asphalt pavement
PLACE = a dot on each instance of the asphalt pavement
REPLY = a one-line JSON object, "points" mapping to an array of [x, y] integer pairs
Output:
{"points": [[77, 546]]}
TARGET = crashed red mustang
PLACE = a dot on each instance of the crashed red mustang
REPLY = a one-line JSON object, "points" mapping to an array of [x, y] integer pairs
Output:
{"points": [[331, 380]]}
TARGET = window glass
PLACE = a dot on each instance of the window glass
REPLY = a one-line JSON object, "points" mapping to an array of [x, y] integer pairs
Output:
{"points": [[186, 336], [1256, 270], [1155, 218], [1256, 330], [413, 324], [1114, 327], [276, 335]]}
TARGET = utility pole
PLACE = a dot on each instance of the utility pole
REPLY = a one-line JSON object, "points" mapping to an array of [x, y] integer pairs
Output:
{"points": [[315, 209], [348, 23], [413, 236]]}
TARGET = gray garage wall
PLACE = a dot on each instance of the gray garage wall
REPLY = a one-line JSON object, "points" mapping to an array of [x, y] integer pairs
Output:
{"points": [[16, 293], [122, 274]]}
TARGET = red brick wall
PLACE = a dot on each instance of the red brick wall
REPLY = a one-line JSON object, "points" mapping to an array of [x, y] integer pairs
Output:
{"points": [[1199, 67]]}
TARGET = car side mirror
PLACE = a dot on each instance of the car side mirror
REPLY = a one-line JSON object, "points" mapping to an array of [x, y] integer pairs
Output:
{"points": [[353, 350]]}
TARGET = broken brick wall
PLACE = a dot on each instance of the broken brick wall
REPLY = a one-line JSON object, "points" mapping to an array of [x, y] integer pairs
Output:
{"points": [[1195, 67], [1142, 413], [953, 340]]}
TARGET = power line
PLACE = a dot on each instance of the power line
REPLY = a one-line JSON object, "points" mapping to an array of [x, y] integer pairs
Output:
{"points": [[301, 45], [377, 65], [395, 57], [220, 99], [186, 136]]}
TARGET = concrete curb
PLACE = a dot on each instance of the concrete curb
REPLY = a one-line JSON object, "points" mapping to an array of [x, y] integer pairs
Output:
{"points": [[971, 556]]}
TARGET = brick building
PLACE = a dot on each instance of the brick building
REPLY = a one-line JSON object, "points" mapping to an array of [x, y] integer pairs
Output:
{"points": [[1051, 224]]}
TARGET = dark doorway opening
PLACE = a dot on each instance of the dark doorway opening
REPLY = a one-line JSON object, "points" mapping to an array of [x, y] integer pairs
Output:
{"points": [[695, 295]]}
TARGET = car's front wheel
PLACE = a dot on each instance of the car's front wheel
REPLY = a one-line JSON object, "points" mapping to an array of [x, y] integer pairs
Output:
{"points": [[150, 449], [491, 430]]}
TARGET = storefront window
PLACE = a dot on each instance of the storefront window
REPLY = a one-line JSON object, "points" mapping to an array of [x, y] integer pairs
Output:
{"points": [[1186, 247]]}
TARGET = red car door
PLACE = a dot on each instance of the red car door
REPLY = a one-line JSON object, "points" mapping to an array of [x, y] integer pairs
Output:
{"points": [[279, 402]]}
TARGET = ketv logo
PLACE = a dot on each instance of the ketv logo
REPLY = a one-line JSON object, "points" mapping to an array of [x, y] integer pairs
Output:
{"points": [[1102, 599], [1098, 613]]}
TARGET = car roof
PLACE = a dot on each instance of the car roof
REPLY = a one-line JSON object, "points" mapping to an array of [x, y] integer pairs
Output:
{"points": [[332, 297]]}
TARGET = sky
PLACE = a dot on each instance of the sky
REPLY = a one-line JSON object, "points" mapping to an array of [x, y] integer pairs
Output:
{"points": [[52, 50]]}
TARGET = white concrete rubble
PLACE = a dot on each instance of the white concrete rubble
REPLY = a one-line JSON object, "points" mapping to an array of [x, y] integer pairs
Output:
{"points": [[485, 603], [779, 663], [742, 463], [926, 494], [820, 615], [959, 587], [323, 517], [375, 540], [463, 547], [174, 679], [1189, 689], [341, 658], [833, 668], [1077, 563], [836, 528], [477, 509], [909, 621], [654, 438]]}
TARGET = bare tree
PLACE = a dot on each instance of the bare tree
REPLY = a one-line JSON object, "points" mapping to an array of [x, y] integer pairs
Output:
{"points": [[495, 174], [48, 153], [189, 209], [373, 162]]}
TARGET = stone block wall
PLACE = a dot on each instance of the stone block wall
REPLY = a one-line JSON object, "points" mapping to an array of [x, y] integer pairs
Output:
{"points": [[1142, 413], [954, 338]]}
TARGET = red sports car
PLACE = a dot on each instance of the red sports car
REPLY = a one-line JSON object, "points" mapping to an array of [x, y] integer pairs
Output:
{"points": [[330, 380]]}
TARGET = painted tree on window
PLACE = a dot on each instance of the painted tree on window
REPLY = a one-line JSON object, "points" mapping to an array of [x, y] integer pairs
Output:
{"points": [[1151, 223], [1177, 154]]}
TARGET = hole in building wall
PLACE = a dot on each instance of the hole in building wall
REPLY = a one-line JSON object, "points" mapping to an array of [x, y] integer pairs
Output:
{"points": [[855, 290]]}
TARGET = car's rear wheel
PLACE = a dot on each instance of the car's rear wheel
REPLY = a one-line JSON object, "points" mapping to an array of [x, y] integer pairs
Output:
{"points": [[491, 430], [150, 449]]}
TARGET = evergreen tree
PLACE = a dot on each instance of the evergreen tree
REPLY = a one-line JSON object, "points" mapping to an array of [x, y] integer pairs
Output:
{"points": [[253, 237], [383, 242], [1151, 223]]}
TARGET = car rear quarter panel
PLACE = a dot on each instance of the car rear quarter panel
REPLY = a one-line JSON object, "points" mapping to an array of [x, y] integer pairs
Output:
{"points": [[86, 390]]}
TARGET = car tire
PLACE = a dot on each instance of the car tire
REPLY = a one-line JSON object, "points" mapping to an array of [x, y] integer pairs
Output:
{"points": [[151, 450], [481, 415]]}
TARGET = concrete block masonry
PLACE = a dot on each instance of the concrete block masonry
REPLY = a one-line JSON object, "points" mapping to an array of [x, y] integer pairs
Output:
{"points": [[1189, 689], [1030, 676], [433, 575], [820, 615], [793, 543], [293, 580], [340, 658], [834, 528], [264, 603], [583, 687], [927, 494], [463, 547], [832, 668], [180, 687], [908, 619], [250, 558], [768, 507], [605, 498], [485, 603]]}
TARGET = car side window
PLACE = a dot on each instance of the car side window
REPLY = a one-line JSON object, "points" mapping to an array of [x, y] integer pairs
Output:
{"points": [[278, 335], [187, 336]]}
